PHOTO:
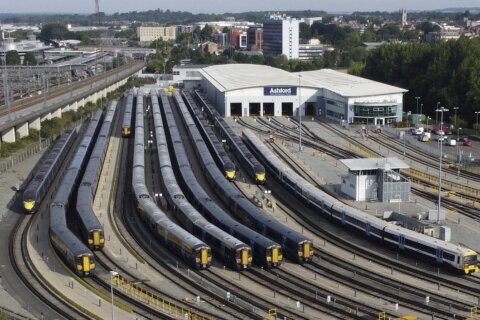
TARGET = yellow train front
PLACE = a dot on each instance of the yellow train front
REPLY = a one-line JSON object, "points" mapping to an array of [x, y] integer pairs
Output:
{"points": [[470, 262], [29, 206], [96, 239], [230, 172], [305, 251], [203, 257], [126, 131], [85, 264], [260, 177]]}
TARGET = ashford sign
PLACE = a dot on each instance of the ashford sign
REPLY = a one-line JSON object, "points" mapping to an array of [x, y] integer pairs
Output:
{"points": [[279, 91]]}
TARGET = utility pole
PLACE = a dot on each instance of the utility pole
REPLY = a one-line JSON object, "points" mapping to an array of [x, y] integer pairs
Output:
{"points": [[441, 110]]}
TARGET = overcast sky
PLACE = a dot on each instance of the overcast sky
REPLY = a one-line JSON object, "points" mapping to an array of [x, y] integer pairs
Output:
{"points": [[222, 6]]}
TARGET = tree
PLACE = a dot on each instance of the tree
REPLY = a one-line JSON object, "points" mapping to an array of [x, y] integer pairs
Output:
{"points": [[12, 58], [56, 31], [305, 32], [206, 33], [29, 59]]}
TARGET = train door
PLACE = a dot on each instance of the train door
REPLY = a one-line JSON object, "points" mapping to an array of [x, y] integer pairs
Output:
{"points": [[204, 256], [343, 217], [401, 242], [264, 229], [284, 241], [367, 229], [244, 257], [439, 255], [274, 255]]}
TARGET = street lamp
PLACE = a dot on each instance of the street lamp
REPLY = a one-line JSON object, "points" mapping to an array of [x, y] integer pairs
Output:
{"points": [[458, 152], [299, 114], [436, 114], [441, 110], [112, 275], [455, 109], [408, 115], [417, 98], [428, 118], [476, 127]]}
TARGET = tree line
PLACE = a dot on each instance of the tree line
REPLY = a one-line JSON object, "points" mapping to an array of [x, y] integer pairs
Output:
{"points": [[441, 74]]}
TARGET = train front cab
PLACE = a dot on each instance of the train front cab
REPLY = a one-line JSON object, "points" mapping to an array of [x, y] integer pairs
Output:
{"points": [[29, 206], [125, 132], [96, 239], [85, 264], [230, 173], [203, 257], [469, 262], [305, 251], [275, 256], [243, 258], [259, 175]]}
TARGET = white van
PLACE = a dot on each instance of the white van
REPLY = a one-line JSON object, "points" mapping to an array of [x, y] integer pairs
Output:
{"points": [[452, 142], [419, 131]]}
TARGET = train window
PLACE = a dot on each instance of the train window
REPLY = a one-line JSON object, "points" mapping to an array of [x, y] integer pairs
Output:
{"points": [[448, 256]]}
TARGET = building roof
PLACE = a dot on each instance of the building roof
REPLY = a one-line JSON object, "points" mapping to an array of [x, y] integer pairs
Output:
{"points": [[374, 164], [347, 85], [229, 77]]}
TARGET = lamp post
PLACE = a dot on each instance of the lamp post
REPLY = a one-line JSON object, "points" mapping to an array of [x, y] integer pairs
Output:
{"points": [[436, 114], [476, 127], [428, 118], [417, 98], [455, 121], [299, 114], [408, 115], [112, 275], [441, 110], [458, 152]]}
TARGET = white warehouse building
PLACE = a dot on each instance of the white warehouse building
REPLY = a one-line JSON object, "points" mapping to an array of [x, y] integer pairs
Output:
{"points": [[258, 90]]}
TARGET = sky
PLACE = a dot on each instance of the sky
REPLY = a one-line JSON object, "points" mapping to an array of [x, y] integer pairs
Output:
{"points": [[222, 6]]}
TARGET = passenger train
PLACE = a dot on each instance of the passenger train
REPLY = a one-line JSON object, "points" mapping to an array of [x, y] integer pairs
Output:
{"points": [[196, 252], [457, 257], [127, 115], [91, 229], [39, 185], [71, 249], [266, 253], [254, 168], [294, 245], [220, 156], [232, 251]]}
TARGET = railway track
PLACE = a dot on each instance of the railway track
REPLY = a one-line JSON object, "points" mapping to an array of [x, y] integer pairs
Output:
{"points": [[465, 284], [31, 278], [25, 104]]}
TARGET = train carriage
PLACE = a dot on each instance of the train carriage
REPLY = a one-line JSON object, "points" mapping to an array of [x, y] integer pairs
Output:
{"points": [[443, 253]]}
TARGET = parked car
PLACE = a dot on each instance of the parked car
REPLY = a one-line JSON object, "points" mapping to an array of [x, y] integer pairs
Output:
{"points": [[467, 143], [437, 131], [441, 138], [424, 137]]}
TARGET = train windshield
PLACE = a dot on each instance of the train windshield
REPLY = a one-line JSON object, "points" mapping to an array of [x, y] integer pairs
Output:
{"points": [[469, 260], [29, 195]]}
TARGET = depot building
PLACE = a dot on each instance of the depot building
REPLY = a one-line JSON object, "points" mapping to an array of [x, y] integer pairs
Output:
{"points": [[258, 90]]}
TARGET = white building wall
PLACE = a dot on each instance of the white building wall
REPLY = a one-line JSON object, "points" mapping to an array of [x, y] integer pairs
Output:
{"points": [[392, 99], [359, 188], [290, 38]]}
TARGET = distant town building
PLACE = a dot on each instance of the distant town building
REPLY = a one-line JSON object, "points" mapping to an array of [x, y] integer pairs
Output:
{"points": [[403, 13], [210, 47], [255, 38], [281, 36], [149, 34], [311, 20], [221, 39], [184, 29], [238, 38], [311, 50]]}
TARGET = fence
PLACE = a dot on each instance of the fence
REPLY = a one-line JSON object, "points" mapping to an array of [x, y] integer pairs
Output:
{"points": [[9, 162]]}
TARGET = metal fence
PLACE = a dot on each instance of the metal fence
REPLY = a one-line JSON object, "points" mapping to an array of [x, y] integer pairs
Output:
{"points": [[6, 314], [9, 162]]}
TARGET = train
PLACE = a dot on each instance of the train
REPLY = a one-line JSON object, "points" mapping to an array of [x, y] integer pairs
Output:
{"points": [[220, 155], [443, 253], [254, 168], [71, 249], [90, 227], [295, 246], [36, 189], [127, 115], [193, 250], [266, 253], [226, 247]]}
